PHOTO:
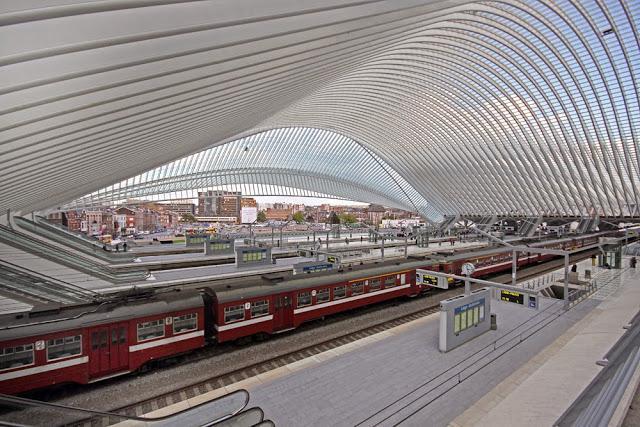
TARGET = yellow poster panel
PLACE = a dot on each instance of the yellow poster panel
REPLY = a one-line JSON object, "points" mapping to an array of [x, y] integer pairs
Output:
{"points": [[463, 320], [456, 323]]}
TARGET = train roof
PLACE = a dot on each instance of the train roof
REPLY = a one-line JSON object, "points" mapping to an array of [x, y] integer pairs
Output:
{"points": [[67, 318], [244, 288]]}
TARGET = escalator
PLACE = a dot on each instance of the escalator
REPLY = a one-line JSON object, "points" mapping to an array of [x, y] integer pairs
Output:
{"points": [[26, 243]]}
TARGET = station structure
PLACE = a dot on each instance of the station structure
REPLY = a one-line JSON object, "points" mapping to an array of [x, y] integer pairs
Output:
{"points": [[472, 114]]}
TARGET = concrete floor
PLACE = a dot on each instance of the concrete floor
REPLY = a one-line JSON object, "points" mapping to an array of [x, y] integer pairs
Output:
{"points": [[386, 381]]}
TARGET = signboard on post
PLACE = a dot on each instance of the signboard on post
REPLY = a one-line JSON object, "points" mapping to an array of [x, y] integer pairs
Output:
{"points": [[520, 298], [512, 296], [431, 280]]}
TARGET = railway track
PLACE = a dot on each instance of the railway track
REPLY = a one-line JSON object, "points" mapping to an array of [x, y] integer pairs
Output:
{"points": [[268, 365], [275, 361]]}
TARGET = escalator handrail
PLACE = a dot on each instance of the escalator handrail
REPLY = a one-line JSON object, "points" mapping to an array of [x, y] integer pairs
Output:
{"points": [[29, 402]]}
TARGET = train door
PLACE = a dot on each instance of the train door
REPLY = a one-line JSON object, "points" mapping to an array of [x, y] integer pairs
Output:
{"points": [[119, 347], [108, 349], [283, 312]]}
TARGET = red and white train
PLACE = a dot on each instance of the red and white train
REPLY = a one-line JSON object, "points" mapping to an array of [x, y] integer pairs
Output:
{"points": [[84, 344]]}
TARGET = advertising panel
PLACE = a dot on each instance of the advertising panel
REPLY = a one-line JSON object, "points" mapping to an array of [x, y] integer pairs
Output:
{"points": [[248, 214]]}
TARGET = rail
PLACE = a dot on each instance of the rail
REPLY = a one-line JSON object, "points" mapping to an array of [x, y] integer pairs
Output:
{"points": [[451, 377], [599, 402], [42, 249], [252, 417], [16, 409]]}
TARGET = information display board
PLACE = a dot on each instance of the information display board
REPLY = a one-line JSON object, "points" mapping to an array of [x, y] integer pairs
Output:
{"points": [[512, 296], [524, 299], [468, 315], [423, 278], [217, 246], [252, 255], [333, 259], [463, 318], [312, 267]]}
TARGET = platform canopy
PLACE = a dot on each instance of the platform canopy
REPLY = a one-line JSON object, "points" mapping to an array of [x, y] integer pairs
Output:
{"points": [[453, 106]]}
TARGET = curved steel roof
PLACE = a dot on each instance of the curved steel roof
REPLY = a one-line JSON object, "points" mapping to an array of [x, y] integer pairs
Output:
{"points": [[479, 106], [292, 161]]}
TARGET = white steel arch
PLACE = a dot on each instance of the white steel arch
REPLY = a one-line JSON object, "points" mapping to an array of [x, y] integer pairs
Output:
{"points": [[292, 161], [473, 107]]}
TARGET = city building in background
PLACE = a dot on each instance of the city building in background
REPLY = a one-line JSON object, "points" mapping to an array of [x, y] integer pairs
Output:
{"points": [[181, 208], [223, 208], [376, 213]]}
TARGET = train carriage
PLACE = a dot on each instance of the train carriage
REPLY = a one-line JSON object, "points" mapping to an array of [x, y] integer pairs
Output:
{"points": [[270, 306], [85, 344]]}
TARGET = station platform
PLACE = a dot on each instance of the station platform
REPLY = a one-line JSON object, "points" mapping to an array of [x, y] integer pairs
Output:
{"points": [[527, 372], [185, 275], [555, 377]]}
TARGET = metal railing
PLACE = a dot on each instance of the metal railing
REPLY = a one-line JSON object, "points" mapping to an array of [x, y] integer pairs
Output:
{"points": [[598, 403]]}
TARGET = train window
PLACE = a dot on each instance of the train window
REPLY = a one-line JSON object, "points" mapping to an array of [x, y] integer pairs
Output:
{"points": [[15, 357], [114, 336], [322, 296], [233, 313], [64, 347], [403, 279], [103, 339], [304, 299], [357, 288], [339, 292], [184, 323], [123, 335], [374, 285], [259, 308], [150, 330], [389, 282]]}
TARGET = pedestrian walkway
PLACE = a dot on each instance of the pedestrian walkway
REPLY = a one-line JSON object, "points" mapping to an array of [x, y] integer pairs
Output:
{"points": [[547, 385], [399, 377]]}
